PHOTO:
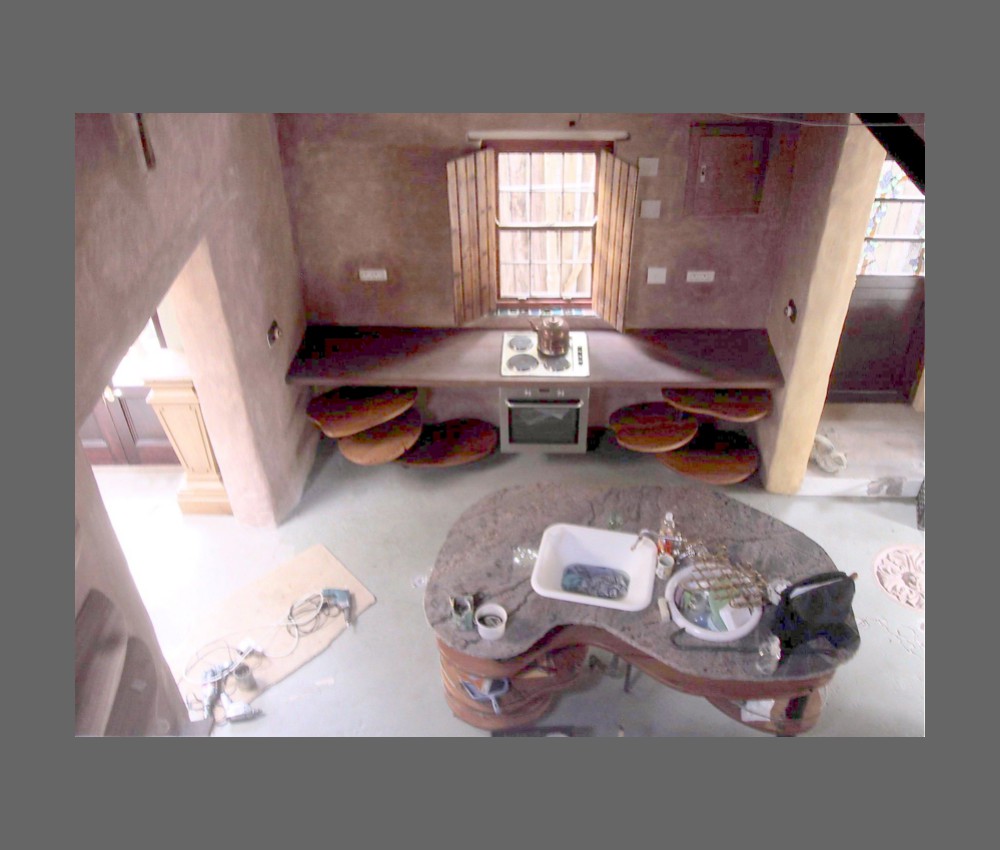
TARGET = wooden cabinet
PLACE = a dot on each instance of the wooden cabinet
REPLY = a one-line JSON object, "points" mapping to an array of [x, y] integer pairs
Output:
{"points": [[726, 168], [123, 429]]}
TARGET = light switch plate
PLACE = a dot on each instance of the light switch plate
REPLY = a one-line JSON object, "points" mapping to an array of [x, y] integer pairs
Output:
{"points": [[649, 166], [373, 275], [700, 277], [649, 209], [655, 274]]}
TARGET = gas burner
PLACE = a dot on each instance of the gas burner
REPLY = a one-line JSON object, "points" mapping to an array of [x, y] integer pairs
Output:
{"points": [[555, 364], [520, 342], [522, 363]]}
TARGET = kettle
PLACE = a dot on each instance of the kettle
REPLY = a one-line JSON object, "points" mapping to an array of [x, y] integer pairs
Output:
{"points": [[553, 336]]}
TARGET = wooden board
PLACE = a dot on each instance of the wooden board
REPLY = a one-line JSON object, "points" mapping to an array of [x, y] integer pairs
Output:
{"points": [[729, 405], [350, 410], [384, 442], [453, 442], [715, 457], [652, 427]]}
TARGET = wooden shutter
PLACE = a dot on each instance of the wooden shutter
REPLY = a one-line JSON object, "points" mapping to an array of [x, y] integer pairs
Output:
{"points": [[472, 192], [617, 185]]}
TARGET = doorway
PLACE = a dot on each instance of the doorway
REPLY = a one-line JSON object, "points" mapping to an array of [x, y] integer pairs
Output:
{"points": [[881, 353], [123, 428]]}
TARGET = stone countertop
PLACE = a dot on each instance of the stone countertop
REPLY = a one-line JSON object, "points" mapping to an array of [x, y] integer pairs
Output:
{"points": [[476, 557], [331, 356]]}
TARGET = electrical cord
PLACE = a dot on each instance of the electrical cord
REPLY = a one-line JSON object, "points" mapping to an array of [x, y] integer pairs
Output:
{"points": [[305, 615]]}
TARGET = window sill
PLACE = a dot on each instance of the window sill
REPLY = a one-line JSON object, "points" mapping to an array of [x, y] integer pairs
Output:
{"points": [[506, 318]]}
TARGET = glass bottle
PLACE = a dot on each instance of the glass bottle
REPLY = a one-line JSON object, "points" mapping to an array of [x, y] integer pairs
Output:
{"points": [[668, 541]]}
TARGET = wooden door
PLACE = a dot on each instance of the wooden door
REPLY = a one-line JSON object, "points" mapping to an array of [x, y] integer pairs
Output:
{"points": [[123, 429], [881, 352]]}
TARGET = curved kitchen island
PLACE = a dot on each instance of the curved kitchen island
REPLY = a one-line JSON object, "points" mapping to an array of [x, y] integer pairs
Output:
{"points": [[513, 681]]}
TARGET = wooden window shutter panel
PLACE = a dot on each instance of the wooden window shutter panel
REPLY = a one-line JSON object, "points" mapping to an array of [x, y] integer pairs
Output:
{"points": [[472, 184], [617, 189]]}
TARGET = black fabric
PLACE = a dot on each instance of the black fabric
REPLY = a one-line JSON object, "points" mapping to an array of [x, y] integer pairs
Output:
{"points": [[816, 607]]}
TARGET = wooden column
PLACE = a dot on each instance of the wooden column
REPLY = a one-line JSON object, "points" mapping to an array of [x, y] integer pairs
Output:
{"points": [[176, 405]]}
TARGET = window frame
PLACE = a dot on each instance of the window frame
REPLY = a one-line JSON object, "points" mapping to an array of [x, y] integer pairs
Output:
{"points": [[550, 146]]}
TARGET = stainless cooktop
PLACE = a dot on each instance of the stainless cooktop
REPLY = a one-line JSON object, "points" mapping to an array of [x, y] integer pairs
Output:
{"points": [[520, 357]]}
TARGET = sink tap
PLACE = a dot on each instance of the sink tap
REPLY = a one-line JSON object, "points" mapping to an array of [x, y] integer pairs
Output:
{"points": [[649, 535]]}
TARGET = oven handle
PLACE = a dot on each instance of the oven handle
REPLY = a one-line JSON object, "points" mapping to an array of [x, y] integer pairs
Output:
{"points": [[514, 402]]}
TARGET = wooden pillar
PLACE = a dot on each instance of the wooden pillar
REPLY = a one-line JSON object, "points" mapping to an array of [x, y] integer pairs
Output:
{"points": [[172, 396]]}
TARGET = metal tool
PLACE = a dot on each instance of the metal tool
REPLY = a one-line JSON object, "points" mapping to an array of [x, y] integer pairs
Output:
{"points": [[213, 691], [211, 688], [340, 598], [236, 711]]}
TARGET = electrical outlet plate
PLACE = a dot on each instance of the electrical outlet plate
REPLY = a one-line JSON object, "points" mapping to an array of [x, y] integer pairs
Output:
{"points": [[373, 275], [655, 274], [700, 277], [649, 209]]}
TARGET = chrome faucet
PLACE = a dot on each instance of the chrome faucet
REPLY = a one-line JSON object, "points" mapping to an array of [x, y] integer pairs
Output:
{"points": [[645, 533]]}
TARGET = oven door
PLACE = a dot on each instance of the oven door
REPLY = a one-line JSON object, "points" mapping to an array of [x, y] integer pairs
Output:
{"points": [[544, 419]]}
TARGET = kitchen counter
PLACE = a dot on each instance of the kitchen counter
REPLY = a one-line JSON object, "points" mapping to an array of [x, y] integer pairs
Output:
{"points": [[476, 558], [332, 356]]}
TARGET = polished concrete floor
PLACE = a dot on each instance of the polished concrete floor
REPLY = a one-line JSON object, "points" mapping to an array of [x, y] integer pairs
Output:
{"points": [[386, 524]]}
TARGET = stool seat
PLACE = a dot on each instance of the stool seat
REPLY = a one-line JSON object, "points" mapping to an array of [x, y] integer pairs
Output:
{"points": [[727, 405], [652, 427], [714, 457], [453, 442], [384, 442], [351, 410]]}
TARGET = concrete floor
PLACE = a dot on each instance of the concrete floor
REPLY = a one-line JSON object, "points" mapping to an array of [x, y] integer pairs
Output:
{"points": [[386, 524], [884, 448]]}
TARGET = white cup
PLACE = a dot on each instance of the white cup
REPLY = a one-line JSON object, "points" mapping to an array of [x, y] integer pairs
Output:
{"points": [[491, 621], [664, 565]]}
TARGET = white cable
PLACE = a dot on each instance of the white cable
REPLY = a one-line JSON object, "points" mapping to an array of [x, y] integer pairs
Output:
{"points": [[291, 620]]}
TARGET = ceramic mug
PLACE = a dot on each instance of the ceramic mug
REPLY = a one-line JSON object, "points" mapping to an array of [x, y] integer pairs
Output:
{"points": [[491, 621]]}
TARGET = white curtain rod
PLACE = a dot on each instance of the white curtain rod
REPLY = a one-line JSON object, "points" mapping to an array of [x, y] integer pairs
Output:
{"points": [[548, 135]]}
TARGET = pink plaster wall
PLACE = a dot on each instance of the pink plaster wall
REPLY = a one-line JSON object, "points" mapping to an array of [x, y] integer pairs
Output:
{"points": [[217, 183], [100, 566], [370, 189]]}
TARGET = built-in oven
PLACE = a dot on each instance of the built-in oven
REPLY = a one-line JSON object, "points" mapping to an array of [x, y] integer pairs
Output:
{"points": [[542, 418]]}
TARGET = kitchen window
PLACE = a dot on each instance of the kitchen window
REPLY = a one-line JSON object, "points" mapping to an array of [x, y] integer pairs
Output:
{"points": [[547, 215], [894, 239], [541, 225]]}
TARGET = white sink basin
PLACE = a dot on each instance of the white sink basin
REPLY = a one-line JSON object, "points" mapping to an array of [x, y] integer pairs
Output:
{"points": [[565, 545]]}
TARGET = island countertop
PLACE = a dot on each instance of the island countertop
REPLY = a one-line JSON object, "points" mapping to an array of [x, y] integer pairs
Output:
{"points": [[476, 558], [331, 356]]}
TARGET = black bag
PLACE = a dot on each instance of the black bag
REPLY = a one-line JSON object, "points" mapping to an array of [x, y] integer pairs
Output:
{"points": [[818, 606]]}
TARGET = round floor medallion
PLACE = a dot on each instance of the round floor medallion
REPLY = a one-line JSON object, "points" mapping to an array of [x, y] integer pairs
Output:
{"points": [[900, 573]]}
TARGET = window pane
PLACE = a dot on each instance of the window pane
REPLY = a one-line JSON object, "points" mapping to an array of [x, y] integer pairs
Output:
{"points": [[894, 183], [577, 282], [895, 218], [892, 258]]}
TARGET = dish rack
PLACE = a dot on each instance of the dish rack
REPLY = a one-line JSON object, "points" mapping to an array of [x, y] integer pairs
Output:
{"points": [[741, 585]]}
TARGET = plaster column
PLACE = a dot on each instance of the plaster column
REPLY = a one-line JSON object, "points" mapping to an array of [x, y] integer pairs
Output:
{"points": [[836, 172]]}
